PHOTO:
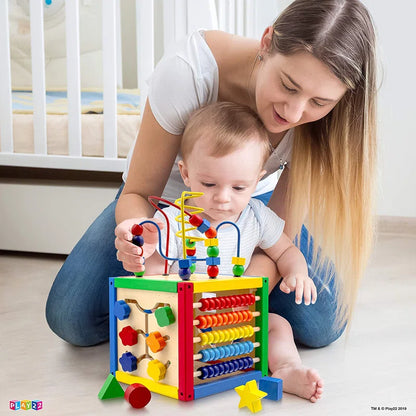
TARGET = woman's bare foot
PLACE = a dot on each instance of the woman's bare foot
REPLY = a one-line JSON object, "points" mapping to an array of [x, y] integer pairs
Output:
{"points": [[302, 381]]}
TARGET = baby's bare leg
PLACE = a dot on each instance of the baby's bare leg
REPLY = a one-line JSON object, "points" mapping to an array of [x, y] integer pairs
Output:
{"points": [[285, 362]]}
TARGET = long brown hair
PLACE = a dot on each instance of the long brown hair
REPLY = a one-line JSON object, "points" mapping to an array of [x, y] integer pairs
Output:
{"points": [[333, 161]]}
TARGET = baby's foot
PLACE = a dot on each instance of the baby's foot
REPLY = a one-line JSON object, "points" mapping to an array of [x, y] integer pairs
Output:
{"points": [[302, 381]]}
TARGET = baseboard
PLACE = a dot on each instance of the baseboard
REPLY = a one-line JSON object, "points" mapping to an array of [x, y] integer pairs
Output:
{"points": [[396, 225]]}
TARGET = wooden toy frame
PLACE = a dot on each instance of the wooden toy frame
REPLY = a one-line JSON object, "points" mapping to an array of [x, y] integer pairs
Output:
{"points": [[181, 345]]}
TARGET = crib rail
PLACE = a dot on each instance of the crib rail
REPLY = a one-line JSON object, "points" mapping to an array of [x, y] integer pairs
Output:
{"points": [[243, 17]]}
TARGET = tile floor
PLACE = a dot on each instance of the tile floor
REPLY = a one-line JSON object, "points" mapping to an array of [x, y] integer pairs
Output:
{"points": [[374, 367]]}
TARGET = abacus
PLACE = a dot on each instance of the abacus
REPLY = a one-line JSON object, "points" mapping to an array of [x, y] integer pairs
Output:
{"points": [[188, 339]]}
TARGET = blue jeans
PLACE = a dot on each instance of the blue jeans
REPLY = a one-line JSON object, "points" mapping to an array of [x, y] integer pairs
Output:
{"points": [[77, 306]]}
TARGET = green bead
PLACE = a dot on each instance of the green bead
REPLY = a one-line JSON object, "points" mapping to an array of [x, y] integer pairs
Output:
{"points": [[192, 268], [213, 251], [238, 270], [139, 274], [189, 243]]}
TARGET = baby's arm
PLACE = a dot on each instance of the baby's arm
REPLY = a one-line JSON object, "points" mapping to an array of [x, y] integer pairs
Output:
{"points": [[294, 270]]}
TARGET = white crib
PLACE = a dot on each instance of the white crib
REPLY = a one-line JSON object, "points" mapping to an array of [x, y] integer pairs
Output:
{"points": [[31, 210]]}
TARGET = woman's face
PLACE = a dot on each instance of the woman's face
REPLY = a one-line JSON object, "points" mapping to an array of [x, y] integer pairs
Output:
{"points": [[293, 90]]}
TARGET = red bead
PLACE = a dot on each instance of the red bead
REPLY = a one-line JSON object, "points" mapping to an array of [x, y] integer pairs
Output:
{"points": [[211, 232], [190, 251], [137, 395], [213, 271], [195, 220], [137, 229]]}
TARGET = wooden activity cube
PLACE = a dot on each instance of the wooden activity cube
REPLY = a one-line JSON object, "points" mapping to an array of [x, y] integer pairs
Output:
{"points": [[188, 339]]}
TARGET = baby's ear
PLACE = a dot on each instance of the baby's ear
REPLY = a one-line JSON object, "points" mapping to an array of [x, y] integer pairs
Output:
{"points": [[184, 173]]}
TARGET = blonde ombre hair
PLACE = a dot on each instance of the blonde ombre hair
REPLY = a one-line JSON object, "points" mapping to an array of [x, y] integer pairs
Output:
{"points": [[333, 159], [226, 126]]}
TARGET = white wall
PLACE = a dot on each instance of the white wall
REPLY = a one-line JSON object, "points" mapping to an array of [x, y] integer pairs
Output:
{"points": [[395, 24]]}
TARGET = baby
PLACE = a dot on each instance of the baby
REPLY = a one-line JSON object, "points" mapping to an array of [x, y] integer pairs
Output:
{"points": [[224, 148]]}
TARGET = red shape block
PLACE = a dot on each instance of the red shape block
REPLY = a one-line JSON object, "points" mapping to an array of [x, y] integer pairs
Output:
{"points": [[137, 395], [137, 229]]}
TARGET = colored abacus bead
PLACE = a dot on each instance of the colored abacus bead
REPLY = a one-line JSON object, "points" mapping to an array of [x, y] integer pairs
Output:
{"points": [[192, 268], [137, 229], [212, 271], [139, 274]]}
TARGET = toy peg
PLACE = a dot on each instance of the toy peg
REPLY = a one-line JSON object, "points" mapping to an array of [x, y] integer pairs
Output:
{"points": [[156, 342], [129, 335], [157, 370]]}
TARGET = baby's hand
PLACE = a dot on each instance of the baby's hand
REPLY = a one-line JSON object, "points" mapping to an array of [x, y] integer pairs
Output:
{"points": [[129, 254], [303, 285]]}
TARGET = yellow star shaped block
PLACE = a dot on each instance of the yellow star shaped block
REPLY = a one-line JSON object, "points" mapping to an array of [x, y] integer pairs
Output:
{"points": [[156, 370], [250, 396]]}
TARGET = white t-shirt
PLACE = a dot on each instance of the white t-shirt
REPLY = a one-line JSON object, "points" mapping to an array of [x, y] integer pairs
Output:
{"points": [[259, 227], [185, 79]]}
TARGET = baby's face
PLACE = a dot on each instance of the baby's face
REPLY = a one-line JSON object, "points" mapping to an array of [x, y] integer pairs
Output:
{"points": [[227, 181]]}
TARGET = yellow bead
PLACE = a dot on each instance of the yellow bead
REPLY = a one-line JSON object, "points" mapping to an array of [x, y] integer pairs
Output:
{"points": [[156, 370], [240, 261], [211, 242]]}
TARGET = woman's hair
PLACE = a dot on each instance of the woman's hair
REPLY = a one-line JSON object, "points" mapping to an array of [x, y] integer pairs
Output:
{"points": [[226, 126], [333, 161]]}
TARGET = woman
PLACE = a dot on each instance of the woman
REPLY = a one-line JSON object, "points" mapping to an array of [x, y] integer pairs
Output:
{"points": [[311, 79]]}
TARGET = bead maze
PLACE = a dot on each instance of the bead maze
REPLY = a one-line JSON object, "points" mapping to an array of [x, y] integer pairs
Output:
{"points": [[189, 335]]}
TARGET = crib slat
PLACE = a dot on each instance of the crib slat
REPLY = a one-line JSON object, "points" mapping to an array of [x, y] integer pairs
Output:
{"points": [[250, 18], [239, 17], [6, 117], [145, 45], [73, 78], [181, 27], [110, 78], [38, 76]]}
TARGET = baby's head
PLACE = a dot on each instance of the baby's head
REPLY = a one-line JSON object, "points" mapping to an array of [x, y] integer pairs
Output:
{"points": [[225, 127], [224, 148]]}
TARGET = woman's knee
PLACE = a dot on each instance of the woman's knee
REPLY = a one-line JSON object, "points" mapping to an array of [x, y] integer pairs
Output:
{"points": [[318, 336]]}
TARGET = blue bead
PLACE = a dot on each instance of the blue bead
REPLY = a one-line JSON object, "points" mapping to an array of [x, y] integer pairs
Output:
{"points": [[138, 240], [204, 226], [211, 371], [216, 370], [204, 373], [185, 263], [223, 351], [221, 368], [213, 261], [205, 355], [184, 274]]}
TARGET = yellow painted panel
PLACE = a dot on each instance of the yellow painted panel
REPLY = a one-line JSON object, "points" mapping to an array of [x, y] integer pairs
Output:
{"points": [[160, 388], [230, 283]]}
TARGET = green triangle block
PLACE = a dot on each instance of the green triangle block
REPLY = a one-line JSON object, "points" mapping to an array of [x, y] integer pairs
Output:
{"points": [[111, 389]]}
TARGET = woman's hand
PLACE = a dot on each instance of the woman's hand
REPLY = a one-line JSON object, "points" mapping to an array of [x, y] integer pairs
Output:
{"points": [[303, 286], [129, 254]]}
